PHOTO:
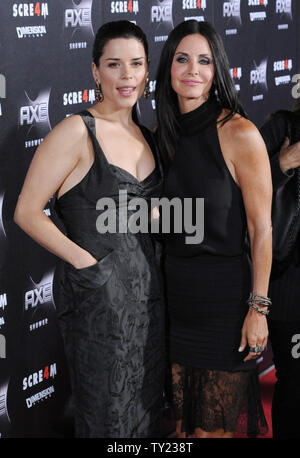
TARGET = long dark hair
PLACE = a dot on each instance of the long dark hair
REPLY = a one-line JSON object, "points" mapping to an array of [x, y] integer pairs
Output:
{"points": [[118, 29], [166, 100]]}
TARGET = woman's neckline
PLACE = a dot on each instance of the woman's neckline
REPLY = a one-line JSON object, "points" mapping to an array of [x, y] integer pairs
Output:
{"points": [[201, 117]]}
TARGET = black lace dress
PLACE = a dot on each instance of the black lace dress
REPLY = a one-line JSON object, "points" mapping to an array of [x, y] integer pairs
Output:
{"points": [[207, 286]]}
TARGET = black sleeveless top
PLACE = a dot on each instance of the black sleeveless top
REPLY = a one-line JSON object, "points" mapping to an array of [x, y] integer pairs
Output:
{"points": [[77, 207], [199, 170]]}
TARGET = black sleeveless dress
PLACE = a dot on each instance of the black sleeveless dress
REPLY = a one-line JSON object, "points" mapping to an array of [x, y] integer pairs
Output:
{"points": [[111, 313], [207, 286]]}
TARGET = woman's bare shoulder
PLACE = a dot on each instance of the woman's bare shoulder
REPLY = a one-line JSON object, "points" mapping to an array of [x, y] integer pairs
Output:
{"points": [[71, 127], [240, 133]]}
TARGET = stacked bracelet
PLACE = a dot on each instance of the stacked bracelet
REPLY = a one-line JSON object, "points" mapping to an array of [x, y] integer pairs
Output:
{"points": [[263, 312], [257, 299]]}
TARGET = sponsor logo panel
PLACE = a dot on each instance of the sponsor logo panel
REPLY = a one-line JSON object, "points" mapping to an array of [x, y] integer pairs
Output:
{"points": [[282, 71], [258, 10], [232, 16], [161, 18], [124, 7], [195, 9], [38, 300], [284, 13], [34, 118], [258, 80], [31, 19], [78, 25], [38, 381]]}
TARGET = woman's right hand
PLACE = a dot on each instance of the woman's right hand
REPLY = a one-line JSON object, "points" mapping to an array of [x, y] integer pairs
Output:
{"points": [[86, 260], [289, 155]]}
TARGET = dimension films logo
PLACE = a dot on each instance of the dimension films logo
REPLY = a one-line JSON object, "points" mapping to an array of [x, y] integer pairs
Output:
{"points": [[162, 19], [121, 7], [36, 378], [35, 11], [78, 20], [34, 114], [258, 79], [232, 12]]}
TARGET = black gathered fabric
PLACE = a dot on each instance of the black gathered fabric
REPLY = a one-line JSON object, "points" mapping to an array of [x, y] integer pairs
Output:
{"points": [[207, 286], [111, 313]]}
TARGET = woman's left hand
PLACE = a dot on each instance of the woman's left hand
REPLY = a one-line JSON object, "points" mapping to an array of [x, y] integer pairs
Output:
{"points": [[254, 333]]}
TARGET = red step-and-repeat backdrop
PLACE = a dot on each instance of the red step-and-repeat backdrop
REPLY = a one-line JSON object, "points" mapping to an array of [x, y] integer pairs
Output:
{"points": [[45, 75]]}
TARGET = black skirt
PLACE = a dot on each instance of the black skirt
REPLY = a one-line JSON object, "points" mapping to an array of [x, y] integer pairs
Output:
{"points": [[212, 387]]}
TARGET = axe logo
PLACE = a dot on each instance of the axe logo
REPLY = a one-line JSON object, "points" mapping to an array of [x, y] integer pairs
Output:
{"points": [[36, 112], [40, 293], [284, 6], [162, 12], [79, 16]]}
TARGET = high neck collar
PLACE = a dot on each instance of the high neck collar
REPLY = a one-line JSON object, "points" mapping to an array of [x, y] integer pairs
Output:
{"points": [[199, 119]]}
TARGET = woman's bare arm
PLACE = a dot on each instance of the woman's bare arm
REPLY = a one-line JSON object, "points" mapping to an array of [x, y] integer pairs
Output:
{"points": [[57, 157], [244, 148]]}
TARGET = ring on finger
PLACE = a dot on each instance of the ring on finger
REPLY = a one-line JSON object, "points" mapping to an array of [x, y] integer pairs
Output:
{"points": [[256, 349]]}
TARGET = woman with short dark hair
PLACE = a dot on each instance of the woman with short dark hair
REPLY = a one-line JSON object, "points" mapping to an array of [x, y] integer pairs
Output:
{"points": [[213, 152]]}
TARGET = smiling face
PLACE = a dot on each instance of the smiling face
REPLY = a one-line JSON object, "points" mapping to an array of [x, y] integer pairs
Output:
{"points": [[122, 72], [192, 71]]}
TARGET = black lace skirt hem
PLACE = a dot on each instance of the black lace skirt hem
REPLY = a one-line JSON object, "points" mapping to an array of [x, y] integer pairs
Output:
{"points": [[218, 400]]}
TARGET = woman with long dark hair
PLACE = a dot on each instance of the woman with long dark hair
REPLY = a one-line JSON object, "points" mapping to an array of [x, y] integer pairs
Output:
{"points": [[111, 312], [281, 133], [217, 328]]}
